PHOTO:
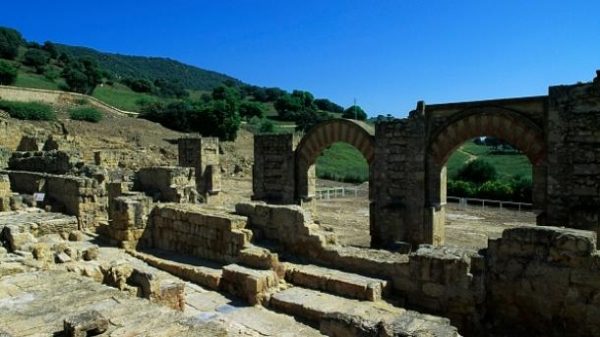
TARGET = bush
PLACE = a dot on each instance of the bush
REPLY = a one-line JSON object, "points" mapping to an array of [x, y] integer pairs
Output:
{"points": [[8, 73], [36, 58], [252, 109], [88, 114], [10, 40], [355, 112], [29, 111], [522, 189], [477, 171], [496, 190], [459, 188]]}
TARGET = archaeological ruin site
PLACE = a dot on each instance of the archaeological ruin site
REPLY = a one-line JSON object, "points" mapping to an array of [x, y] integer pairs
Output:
{"points": [[118, 236]]}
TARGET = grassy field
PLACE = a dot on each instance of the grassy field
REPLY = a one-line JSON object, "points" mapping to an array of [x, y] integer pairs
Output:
{"points": [[507, 164], [343, 162], [28, 80]]}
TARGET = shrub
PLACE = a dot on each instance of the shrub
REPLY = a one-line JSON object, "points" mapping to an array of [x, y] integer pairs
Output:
{"points": [[30, 111], [522, 189], [8, 73], [88, 114], [10, 40], [36, 58], [251, 109], [477, 171], [459, 188], [355, 112], [496, 190]]}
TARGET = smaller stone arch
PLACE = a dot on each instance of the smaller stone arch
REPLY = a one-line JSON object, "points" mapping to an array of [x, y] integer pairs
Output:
{"points": [[356, 133]]}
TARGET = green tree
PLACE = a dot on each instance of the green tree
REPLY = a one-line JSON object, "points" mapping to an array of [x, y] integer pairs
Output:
{"points": [[36, 58], [327, 105], [355, 112], [477, 171], [310, 118], [252, 109], [51, 49], [10, 41], [496, 190], [82, 75], [8, 73], [170, 88], [288, 107]]}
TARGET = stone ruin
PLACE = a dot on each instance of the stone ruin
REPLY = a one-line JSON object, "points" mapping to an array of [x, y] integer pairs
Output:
{"points": [[93, 248]]}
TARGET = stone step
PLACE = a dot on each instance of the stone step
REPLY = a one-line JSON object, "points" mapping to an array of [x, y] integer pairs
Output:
{"points": [[249, 284], [339, 316], [335, 281], [205, 274]]}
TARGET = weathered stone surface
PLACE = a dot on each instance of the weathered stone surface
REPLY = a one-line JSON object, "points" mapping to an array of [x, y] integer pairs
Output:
{"points": [[335, 281], [257, 257], [168, 183], [88, 323], [250, 284], [90, 253], [75, 236]]}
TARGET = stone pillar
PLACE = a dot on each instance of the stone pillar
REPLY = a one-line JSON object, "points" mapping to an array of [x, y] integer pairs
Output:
{"points": [[274, 169], [203, 155], [397, 212], [573, 160]]}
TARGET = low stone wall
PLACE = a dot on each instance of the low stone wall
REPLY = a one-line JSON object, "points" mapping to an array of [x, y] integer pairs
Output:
{"points": [[55, 162], [545, 281], [168, 183], [197, 231], [534, 281], [82, 197]]}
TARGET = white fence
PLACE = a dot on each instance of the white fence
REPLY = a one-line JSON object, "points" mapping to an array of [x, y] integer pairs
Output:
{"points": [[464, 202], [336, 192]]}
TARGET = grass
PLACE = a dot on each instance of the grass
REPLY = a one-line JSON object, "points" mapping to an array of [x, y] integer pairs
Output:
{"points": [[122, 97], [28, 80], [507, 165], [342, 162]]}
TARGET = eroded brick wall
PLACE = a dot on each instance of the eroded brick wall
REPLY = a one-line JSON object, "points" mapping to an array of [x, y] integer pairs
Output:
{"points": [[273, 177]]}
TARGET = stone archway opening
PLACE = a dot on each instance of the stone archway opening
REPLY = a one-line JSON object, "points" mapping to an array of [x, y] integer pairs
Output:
{"points": [[332, 178], [514, 148]]}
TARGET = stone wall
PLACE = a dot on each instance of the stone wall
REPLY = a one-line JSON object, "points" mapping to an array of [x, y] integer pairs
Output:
{"points": [[397, 211], [544, 281], [128, 218], [574, 156], [203, 155], [55, 162], [110, 158], [534, 281], [273, 178], [82, 197], [168, 183], [197, 231]]}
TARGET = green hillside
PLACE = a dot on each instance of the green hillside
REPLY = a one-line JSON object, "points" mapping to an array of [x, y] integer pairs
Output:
{"points": [[152, 68]]}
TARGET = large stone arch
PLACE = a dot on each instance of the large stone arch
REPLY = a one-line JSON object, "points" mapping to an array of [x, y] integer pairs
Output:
{"points": [[498, 122], [320, 137], [503, 123]]}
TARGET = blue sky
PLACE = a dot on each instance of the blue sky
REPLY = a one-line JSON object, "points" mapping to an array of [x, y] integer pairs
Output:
{"points": [[385, 54]]}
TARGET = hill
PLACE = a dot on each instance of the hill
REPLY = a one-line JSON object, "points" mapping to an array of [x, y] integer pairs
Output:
{"points": [[152, 68]]}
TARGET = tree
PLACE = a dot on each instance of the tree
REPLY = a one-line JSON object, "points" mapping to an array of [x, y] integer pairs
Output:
{"points": [[82, 75], [8, 73], [170, 88], [10, 41], [355, 112], [51, 49], [36, 58], [251, 109], [477, 171], [327, 105], [139, 84], [310, 118], [287, 107]]}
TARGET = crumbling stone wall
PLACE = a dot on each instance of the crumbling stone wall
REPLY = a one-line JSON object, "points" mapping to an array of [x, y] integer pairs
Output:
{"points": [[193, 230], [110, 158], [524, 284], [55, 162], [168, 183], [203, 155], [544, 281], [128, 219], [82, 197], [574, 156], [273, 178]]}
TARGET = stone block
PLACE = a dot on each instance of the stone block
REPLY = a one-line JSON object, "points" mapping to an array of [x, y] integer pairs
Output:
{"points": [[257, 257], [249, 284], [89, 323]]}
